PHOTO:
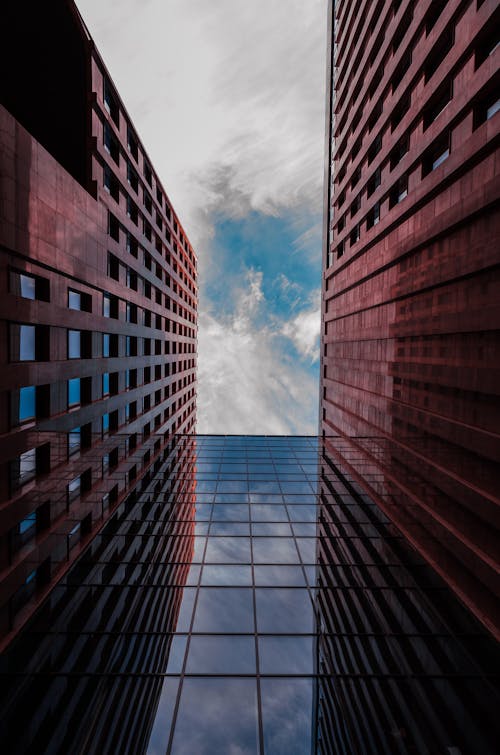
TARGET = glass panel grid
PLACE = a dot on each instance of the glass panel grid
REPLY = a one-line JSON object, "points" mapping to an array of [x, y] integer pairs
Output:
{"points": [[230, 614]]}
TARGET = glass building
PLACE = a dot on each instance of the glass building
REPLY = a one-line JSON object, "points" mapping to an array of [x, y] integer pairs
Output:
{"points": [[250, 598]]}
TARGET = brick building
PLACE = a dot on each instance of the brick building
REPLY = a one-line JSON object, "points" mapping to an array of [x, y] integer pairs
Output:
{"points": [[411, 298], [98, 305]]}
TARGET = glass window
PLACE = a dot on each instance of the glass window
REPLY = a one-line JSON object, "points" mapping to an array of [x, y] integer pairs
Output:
{"points": [[27, 285], [221, 655], [23, 343], [73, 489], [74, 344], [105, 344], [74, 392], [287, 709], [74, 441], [105, 423], [74, 299], [224, 609], [105, 384], [217, 716], [106, 305], [27, 403]]}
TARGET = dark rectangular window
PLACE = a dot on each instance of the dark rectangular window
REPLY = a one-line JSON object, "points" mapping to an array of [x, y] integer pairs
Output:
{"points": [[399, 151], [29, 342], [374, 182], [79, 300], [113, 227], [111, 144], [437, 153], [132, 177], [132, 144], [398, 192], [111, 102], [111, 183], [29, 286], [74, 392]]}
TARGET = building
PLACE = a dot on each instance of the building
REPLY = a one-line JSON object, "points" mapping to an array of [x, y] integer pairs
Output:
{"points": [[250, 598], [411, 284], [98, 304]]}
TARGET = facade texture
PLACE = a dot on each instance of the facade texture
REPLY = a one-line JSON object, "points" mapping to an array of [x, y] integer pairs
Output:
{"points": [[411, 284], [98, 304], [250, 598]]}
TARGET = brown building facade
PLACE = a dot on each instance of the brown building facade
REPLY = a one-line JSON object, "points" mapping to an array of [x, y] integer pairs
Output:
{"points": [[98, 306], [411, 284]]}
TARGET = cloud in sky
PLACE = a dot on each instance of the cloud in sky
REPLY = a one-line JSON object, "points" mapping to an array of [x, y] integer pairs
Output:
{"points": [[238, 356], [228, 99]]}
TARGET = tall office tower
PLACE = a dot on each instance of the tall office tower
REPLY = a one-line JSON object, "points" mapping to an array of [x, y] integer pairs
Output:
{"points": [[411, 297], [98, 304]]}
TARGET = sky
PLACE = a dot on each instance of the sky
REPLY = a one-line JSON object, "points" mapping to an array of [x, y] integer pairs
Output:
{"points": [[228, 99]]}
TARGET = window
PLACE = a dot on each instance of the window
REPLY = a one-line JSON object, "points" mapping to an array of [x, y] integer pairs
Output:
{"points": [[113, 227], [111, 144], [373, 216], [27, 404], [79, 301], [374, 182], [147, 173], [111, 183], [113, 268], [74, 344], [106, 338], [132, 177], [105, 424], [131, 312], [25, 467], [132, 245], [355, 234], [399, 151], [26, 530], [132, 144], [79, 344], [74, 393], [29, 342], [436, 155], [486, 109], [29, 286], [73, 490], [111, 102], [110, 306], [398, 192], [438, 103], [105, 384], [74, 441]]}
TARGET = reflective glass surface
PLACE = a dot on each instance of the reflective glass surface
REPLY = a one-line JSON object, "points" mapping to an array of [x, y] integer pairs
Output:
{"points": [[219, 611]]}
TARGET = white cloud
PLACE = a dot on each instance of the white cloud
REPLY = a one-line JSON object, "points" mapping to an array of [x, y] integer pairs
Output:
{"points": [[304, 331], [227, 96], [247, 384]]}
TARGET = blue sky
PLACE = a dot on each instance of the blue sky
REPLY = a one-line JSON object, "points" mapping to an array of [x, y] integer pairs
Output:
{"points": [[228, 99]]}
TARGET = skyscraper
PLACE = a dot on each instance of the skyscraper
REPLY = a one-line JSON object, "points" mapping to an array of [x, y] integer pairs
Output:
{"points": [[411, 305], [98, 305]]}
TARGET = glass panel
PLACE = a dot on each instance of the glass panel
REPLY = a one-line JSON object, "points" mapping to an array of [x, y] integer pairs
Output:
{"points": [[287, 655], [27, 403], [217, 716], [287, 716], [228, 550], [26, 342], [74, 300], [160, 734], [274, 550], [73, 344], [229, 528], [271, 528], [286, 610], [221, 609], [28, 286], [268, 513], [74, 392], [237, 512], [221, 655], [274, 576], [227, 575]]}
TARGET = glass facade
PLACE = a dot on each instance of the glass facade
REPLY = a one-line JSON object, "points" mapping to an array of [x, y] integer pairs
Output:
{"points": [[249, 598]]}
